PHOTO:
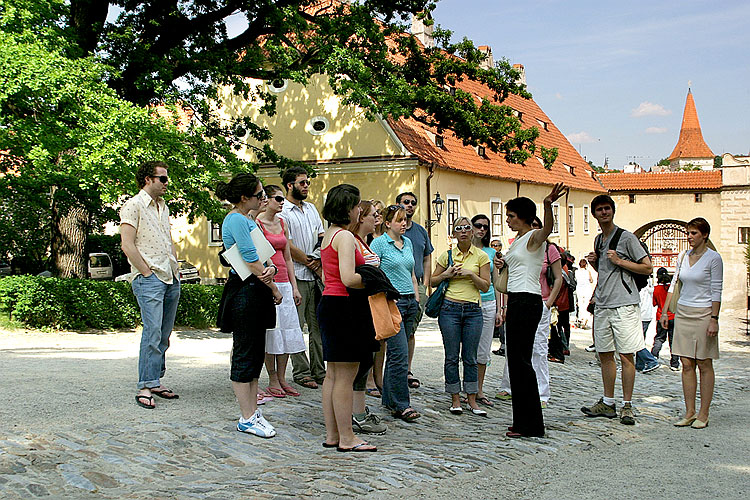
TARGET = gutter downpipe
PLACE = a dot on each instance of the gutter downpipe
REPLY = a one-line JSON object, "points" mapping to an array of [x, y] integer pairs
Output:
{"points": [[431, 169]]}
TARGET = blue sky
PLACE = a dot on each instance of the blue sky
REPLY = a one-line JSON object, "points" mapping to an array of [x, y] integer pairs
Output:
{"points": [[613, 76]]}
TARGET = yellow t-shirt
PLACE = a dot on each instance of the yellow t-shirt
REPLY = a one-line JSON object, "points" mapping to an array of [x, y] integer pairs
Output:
{"points": [[461, 287]]}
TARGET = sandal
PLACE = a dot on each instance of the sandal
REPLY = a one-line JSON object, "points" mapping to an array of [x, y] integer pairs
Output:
{"points": [[456, 410], [373, 391], [151, 404], [407, 415], [289, 390], [485, 401], [413, 382], [359, 447], [277, 393], [308, 382], [165, 393]]}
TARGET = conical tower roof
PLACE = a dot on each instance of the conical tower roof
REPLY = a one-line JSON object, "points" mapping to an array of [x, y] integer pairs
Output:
{"points": [[691, 143]]}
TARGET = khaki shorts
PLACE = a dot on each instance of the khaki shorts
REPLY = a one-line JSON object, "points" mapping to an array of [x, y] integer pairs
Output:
{"points": [[618, 329]]}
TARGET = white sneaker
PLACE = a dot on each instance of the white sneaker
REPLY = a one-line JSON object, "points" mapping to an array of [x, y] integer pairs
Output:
{"points": [[257, 425]]}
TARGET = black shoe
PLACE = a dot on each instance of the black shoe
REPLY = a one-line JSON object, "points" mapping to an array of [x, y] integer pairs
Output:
{"points": [[499, 352]]}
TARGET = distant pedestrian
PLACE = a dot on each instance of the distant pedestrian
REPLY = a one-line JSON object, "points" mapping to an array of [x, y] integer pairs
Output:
{"points": [[617, 319], [645, 361], [696, 325], [154, 277], [585, 281], [664, 334]]}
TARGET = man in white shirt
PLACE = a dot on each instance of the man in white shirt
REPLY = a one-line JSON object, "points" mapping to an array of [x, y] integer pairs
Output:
{"points": [[305, 230], [154, 277]]}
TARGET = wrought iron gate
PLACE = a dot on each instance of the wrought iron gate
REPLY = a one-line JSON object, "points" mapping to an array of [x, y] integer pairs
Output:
{"points": [[665, 241]]}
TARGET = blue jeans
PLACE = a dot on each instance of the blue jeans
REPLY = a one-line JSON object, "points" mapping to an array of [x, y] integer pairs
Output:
{"points": [[644, 358], [395, 381], [158, 303], [461, 326]]}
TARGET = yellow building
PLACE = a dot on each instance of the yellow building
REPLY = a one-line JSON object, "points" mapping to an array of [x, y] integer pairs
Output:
{"points": [[386, 157]]}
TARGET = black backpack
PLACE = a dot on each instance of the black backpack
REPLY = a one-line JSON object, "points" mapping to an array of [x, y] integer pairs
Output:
{"points": [[641, 280]]}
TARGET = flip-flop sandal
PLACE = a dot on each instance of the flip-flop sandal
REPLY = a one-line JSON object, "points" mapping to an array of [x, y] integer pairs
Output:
{"points": [[289, 390], [166, 394], [277, 393], [328, 445], [408, 415], [263, 398], [413, 382], [357, 448], [374, 392], [308, 383], [138, 398], [485, 401]]}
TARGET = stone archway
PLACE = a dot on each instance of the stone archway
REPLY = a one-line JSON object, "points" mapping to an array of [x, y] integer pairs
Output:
{"points": [[665, 240]]}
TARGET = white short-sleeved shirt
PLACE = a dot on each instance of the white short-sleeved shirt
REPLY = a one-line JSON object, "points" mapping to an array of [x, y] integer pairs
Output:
{"points": [[153, 237], [304, 225]]}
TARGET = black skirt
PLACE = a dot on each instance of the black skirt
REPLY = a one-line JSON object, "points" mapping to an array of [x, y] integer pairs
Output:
{"points": [[346, 328]]}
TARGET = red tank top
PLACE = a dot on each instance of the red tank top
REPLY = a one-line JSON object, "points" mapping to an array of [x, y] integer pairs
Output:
{"points": [[329, 259], [278, 242]]}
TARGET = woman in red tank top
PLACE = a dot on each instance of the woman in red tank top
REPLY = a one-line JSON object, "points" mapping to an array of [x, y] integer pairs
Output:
{"points": [[286, 338], [343, 319]]}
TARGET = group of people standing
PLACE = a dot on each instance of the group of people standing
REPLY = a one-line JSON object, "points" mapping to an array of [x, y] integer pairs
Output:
{"points": [[326, 279]]}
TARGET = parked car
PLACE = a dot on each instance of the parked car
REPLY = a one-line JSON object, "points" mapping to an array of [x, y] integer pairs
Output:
{"points": [[5, 269], [100, 266], [188, 272]]}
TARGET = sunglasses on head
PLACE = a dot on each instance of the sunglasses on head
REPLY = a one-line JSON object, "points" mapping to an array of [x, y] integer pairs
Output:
{"points": [[481, 226], [162, 178], [393, 208], [409, 202], [462, 227]]}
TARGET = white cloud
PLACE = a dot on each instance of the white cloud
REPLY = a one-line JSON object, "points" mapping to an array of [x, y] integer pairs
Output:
{"points": [[580, 138], [649, 109], [656, 130]]}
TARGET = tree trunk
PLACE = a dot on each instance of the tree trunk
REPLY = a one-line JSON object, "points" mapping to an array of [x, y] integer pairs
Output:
{"points": [[70, 227]]}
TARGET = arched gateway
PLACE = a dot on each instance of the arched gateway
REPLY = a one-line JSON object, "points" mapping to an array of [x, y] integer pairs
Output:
{"points": [[665, 240]]}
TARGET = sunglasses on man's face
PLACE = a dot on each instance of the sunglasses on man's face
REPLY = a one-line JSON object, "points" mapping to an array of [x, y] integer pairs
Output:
{"points": [[481, 226], [162, 178], [303, 182], [461, 228], [409, 202]]}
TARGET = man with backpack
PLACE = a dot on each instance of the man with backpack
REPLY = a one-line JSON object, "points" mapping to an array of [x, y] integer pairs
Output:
{"points": [[623, 264]]}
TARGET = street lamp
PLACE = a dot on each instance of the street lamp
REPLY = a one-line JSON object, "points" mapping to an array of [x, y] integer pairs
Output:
{"points": [[437, 207]]}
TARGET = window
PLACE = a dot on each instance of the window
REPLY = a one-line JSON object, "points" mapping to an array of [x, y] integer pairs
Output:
{"points": [[744, 235], [699, 197], [318, 125], [542, 123], [453, 211], [631, 198], [556, 218], [277, 85], [496, 217], [214, 234], [439, 141], [571, 220], [519, 114], [585, 219], [480, 151]]}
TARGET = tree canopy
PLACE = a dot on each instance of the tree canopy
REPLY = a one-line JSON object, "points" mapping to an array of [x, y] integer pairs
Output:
{"points": [[79, 80]]}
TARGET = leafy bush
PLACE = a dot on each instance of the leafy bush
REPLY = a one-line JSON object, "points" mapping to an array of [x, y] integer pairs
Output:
{"points": [[81, 304]]}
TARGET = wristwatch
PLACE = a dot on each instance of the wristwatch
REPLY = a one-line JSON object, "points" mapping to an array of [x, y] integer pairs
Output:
{"points": [[715, 317]]}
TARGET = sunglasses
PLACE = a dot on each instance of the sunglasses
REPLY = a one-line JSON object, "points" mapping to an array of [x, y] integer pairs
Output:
{"points": [[463, 227], [304, 182], [409, 202], [261, 195], [393, 208], [279, 198], [162, 178], [481, 226]]}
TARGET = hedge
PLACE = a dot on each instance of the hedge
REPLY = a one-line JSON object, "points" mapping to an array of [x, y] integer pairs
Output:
{"points": [[76, 304]]}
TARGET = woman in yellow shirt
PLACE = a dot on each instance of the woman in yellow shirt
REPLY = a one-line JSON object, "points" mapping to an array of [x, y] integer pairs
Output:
{"points": [[460, 318]]}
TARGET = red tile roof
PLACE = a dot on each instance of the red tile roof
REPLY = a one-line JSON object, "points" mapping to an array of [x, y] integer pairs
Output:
{"points": [[663, 181], [419, 140], [691, 143]]}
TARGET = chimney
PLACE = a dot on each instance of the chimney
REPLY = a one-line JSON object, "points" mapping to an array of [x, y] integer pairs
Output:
{"points": [[489, 61], [522, 76], [421, 31]]}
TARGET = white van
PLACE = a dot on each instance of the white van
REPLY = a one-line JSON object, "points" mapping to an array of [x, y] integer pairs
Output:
{"points": [[100, 266]]}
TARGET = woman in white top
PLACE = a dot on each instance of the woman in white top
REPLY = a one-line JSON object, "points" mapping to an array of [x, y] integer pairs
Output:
{"points": [[585, 281], [524, 261], [696, 322]]}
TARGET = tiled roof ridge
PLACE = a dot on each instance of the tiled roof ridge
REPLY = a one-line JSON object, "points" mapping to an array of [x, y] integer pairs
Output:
{"points": [[662, 181], [690, 143]]}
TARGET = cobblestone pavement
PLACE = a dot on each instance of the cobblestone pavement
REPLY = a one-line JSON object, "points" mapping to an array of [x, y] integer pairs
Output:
{"points": [[69, 426]]}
